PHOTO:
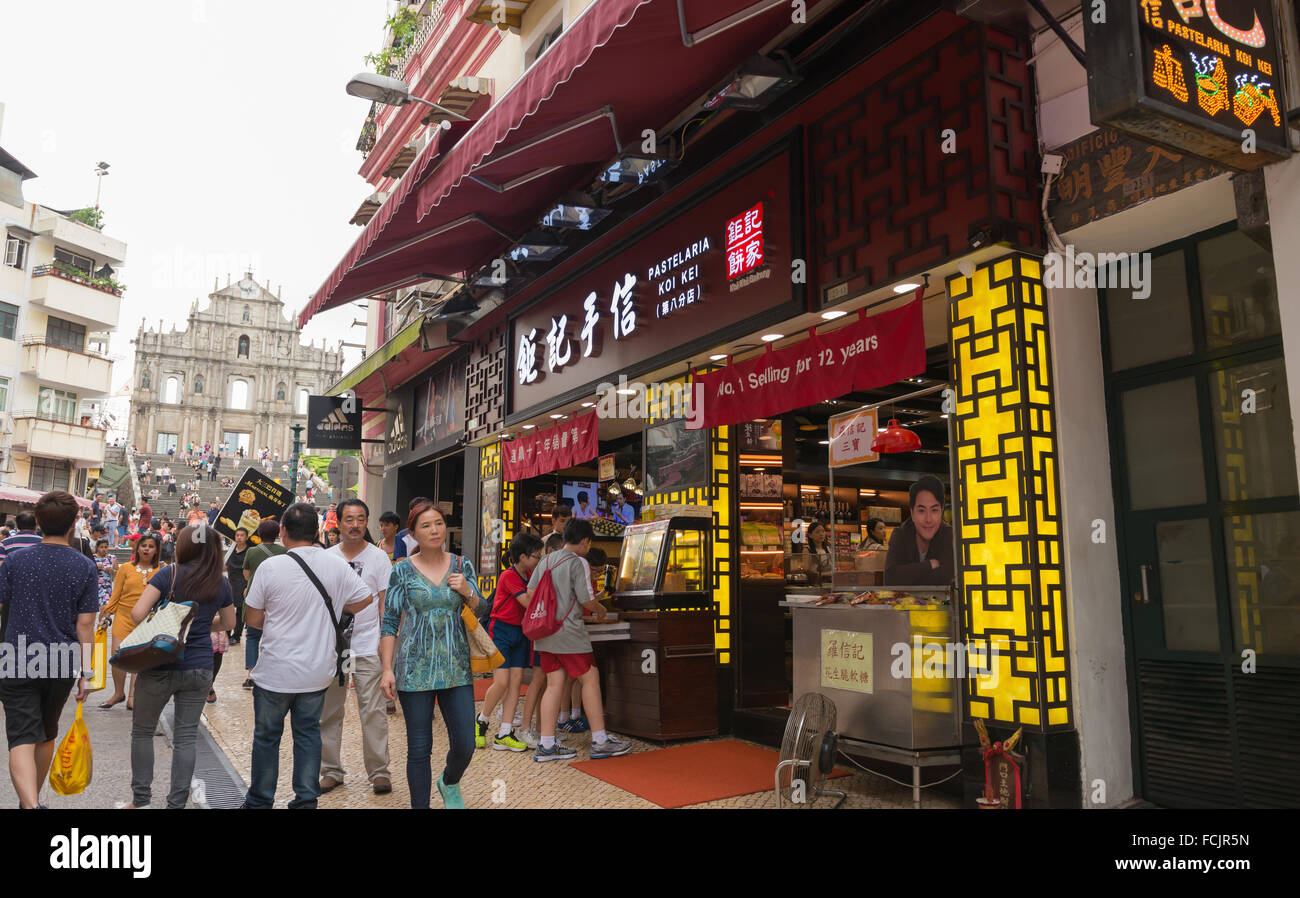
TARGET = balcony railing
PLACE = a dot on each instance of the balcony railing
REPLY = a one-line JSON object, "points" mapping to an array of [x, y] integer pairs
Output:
{"points": [[40, 340], [87, 421], [94, 283]]}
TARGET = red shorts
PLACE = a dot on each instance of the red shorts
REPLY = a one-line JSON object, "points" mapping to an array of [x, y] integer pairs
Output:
{"points": [[573, 665]]}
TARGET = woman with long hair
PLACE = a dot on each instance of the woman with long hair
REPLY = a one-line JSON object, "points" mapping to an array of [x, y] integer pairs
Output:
{"points": [[422, 607], [196, 577], [128, 586], [105, 571]]}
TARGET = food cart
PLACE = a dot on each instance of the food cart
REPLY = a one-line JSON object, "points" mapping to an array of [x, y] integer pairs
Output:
{"points": [[661, 681]]}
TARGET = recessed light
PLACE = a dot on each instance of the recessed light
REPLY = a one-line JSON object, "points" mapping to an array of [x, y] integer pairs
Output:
{"points": [[772, 338], [824, 442], [905, 288], [717, 358], [529, 426], [556, 417], [943, 416], [626, 392], [588, 404], [831, 316]]}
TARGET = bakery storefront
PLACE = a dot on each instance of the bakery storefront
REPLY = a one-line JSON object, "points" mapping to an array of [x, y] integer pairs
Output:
{"points": [[788, 291]]}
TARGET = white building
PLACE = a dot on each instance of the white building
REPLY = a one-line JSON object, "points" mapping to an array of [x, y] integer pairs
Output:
{"points": [[58, 305]]}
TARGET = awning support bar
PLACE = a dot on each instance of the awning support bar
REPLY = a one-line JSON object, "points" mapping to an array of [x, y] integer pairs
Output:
{"points": [[691, 38]]}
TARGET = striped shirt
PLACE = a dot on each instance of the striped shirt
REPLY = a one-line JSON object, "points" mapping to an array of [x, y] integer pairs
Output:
{"points": [[21, 540]]}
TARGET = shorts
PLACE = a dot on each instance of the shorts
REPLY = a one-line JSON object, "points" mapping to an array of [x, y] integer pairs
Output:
{"points": [[574, 665], [32, 709], [510, 640]]}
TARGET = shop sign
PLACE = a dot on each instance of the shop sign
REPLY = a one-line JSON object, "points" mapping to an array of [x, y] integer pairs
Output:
{"points": [[1107, 172], [723, 260], [1207, 78], [440, 406], [333, 422], [873, 351], [760, 436], [846, 661], [851, 435], [567, 444], [398, 441], [255, 498], [606, 468]]}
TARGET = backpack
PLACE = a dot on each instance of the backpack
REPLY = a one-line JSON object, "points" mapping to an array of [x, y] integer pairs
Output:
{"points": [[541, 618]]}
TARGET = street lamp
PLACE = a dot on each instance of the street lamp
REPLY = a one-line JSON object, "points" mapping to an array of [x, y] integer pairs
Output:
{"points": [[100, 170], [393, 92]]}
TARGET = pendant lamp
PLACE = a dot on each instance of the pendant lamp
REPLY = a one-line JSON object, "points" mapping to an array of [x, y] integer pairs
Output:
{"points": [[895, 438]]}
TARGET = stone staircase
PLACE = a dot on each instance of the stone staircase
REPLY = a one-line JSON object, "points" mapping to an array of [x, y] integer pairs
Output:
{"points": [[208, 490]]}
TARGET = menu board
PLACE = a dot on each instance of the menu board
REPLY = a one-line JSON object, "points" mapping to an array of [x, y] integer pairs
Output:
{"points": [[253, 499]]}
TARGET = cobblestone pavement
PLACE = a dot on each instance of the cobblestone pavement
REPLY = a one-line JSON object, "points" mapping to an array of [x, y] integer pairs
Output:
{"points": [[494, 778], [110, 743]]}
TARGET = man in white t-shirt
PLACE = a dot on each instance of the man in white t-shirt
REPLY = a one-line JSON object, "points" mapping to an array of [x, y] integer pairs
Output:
{"points": [[372, 565], [297, 657], [112, 513]]}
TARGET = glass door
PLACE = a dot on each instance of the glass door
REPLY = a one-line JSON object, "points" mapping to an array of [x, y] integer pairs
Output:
{"points": [[1209, 525]]}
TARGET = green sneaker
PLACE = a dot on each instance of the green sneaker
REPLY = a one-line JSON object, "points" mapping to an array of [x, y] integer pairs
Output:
{"points": [[480, 734], [509, 742], [451, 798]]}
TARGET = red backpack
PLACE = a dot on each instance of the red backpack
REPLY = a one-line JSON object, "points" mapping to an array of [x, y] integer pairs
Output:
{"points": [[541, 618]]}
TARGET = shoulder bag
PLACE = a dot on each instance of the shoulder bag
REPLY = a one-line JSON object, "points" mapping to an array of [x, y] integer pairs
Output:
{"points": [[160, 638], [342, 626], [484, 656]]}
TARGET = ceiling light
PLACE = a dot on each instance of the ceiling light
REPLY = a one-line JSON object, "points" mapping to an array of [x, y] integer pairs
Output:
{"points": [[556, 417], [635, 169], [614, 489], [832, 315], [906, 288], [574, 211], [529, 426], [895, 438], [824, 442], [717, 358], [772, 338], [588, 404], [626, 392], [535, 251], [756, 84]]}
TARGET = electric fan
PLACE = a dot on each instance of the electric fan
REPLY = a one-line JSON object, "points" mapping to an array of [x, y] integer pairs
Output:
{"points": [[808, 751]]}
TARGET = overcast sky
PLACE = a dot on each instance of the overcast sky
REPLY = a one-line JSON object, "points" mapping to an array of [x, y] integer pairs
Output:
{"points": [[227, 129]]}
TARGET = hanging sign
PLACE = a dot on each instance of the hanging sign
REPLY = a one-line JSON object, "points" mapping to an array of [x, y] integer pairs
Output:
{"points": [[851, 435], [255, 498], [869, 353], [1203, 76], [543, 451], [330, 425]]}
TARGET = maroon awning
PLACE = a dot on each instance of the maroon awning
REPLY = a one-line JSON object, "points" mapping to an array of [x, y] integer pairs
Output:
{"points": [[622, 67]]}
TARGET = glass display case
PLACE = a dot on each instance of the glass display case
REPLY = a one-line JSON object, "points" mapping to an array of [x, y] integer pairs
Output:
{"points": [[665, 564]]}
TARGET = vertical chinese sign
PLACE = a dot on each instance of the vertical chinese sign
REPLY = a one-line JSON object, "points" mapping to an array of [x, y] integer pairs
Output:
{"points": [[745, 242]]}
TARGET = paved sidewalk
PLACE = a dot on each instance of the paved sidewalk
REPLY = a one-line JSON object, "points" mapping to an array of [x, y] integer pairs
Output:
{"points": [[495, 779]]}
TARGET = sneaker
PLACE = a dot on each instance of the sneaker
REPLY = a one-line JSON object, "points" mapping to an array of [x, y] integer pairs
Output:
{"points": [[480, 733], [509, 742], [451, 797], [564, 727], [529, 737], [578, 725], [558, 753], [612, 747]]}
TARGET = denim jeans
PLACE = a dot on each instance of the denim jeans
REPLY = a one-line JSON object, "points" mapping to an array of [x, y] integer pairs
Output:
{"points": [[238, 631], [153, 689], [458, 714], [252, 640], [304, 710]]}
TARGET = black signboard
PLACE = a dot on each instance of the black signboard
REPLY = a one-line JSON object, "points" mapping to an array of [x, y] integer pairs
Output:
{"points": [[329, 426], [1204, 77], [255, 497]]}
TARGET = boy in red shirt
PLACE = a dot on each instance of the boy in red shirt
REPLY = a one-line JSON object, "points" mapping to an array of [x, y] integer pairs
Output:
{"points": [[506, 628]]}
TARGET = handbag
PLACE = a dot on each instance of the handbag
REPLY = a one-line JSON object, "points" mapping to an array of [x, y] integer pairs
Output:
{"points": [[484, 656], [160, 638]]}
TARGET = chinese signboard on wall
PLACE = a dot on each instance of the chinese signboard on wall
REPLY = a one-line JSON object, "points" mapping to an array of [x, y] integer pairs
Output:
{"points": [[1197, 75], [1106, 172], [662, 287], [846, 661]]}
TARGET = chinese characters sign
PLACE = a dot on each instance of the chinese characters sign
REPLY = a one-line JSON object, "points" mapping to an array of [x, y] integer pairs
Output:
{"points": [[660, 288], [851, 435], [567, 444], [1208, 78], [846, 661], [745, 242], [1106, 172]]}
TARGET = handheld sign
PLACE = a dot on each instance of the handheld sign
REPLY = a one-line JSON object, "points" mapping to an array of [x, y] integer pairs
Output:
{"points": [[255, 497]]}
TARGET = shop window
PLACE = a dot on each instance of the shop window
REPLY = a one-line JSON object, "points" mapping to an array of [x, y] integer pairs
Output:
{"points": [[239, 394], [242, 352], [65, 334], [8, 320], [1238, 289], [47, 474], [16, 253]]}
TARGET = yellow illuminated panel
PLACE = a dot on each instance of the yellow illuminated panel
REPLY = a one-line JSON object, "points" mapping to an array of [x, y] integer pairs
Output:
{"points": [[489, 465], [1008, 524]]}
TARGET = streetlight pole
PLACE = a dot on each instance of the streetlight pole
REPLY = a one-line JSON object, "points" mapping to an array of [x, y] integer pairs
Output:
{"points": [[297, 450]]}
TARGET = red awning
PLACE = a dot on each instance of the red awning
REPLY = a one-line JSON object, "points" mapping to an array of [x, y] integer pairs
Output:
{"points": [[622, 67]]}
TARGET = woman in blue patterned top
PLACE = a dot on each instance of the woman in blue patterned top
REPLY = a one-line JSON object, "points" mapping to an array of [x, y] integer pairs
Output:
{"points": [[422, 609]]}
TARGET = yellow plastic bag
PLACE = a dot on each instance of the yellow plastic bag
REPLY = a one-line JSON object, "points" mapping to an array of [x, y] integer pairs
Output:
{"points": [[100, 662], [484, 657], [73, 763]]}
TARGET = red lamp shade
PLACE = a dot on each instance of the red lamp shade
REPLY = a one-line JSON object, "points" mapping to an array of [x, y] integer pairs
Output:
{"points": [[895, 439]]}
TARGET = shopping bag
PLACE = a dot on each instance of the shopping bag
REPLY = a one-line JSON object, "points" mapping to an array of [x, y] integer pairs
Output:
{"points": [[484, 656], [100, 663], [72, 767]]}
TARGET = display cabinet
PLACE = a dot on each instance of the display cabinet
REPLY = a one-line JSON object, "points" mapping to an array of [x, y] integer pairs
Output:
{"points": [[665, 564]]}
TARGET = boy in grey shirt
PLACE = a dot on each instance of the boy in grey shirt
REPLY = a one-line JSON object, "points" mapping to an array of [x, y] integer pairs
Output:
{"points": [[568, 650]]}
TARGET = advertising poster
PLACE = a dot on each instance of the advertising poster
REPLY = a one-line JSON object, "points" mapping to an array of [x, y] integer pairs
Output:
{"points": [[489, 533], [439, 406], [676, 458], [255, 497]]}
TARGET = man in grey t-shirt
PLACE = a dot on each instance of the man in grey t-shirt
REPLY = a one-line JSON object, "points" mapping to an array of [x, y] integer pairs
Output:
{"points": [[568, 650]]}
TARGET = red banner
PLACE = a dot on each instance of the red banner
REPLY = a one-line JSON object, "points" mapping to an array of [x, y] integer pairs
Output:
{"points": [[869, 353], [543, 451]]}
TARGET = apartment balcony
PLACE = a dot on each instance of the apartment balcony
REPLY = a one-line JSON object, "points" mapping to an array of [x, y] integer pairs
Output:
{"points": [[75, 235], [69, 295], [86, 373], [45, 436]]}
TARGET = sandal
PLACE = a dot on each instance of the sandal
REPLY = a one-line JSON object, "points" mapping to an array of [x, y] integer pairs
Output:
{"points": [[212, 696], [112, 703]]}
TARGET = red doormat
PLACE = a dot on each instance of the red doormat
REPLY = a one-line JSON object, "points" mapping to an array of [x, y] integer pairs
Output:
{"points": [[690, 774], [481, 687]]}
